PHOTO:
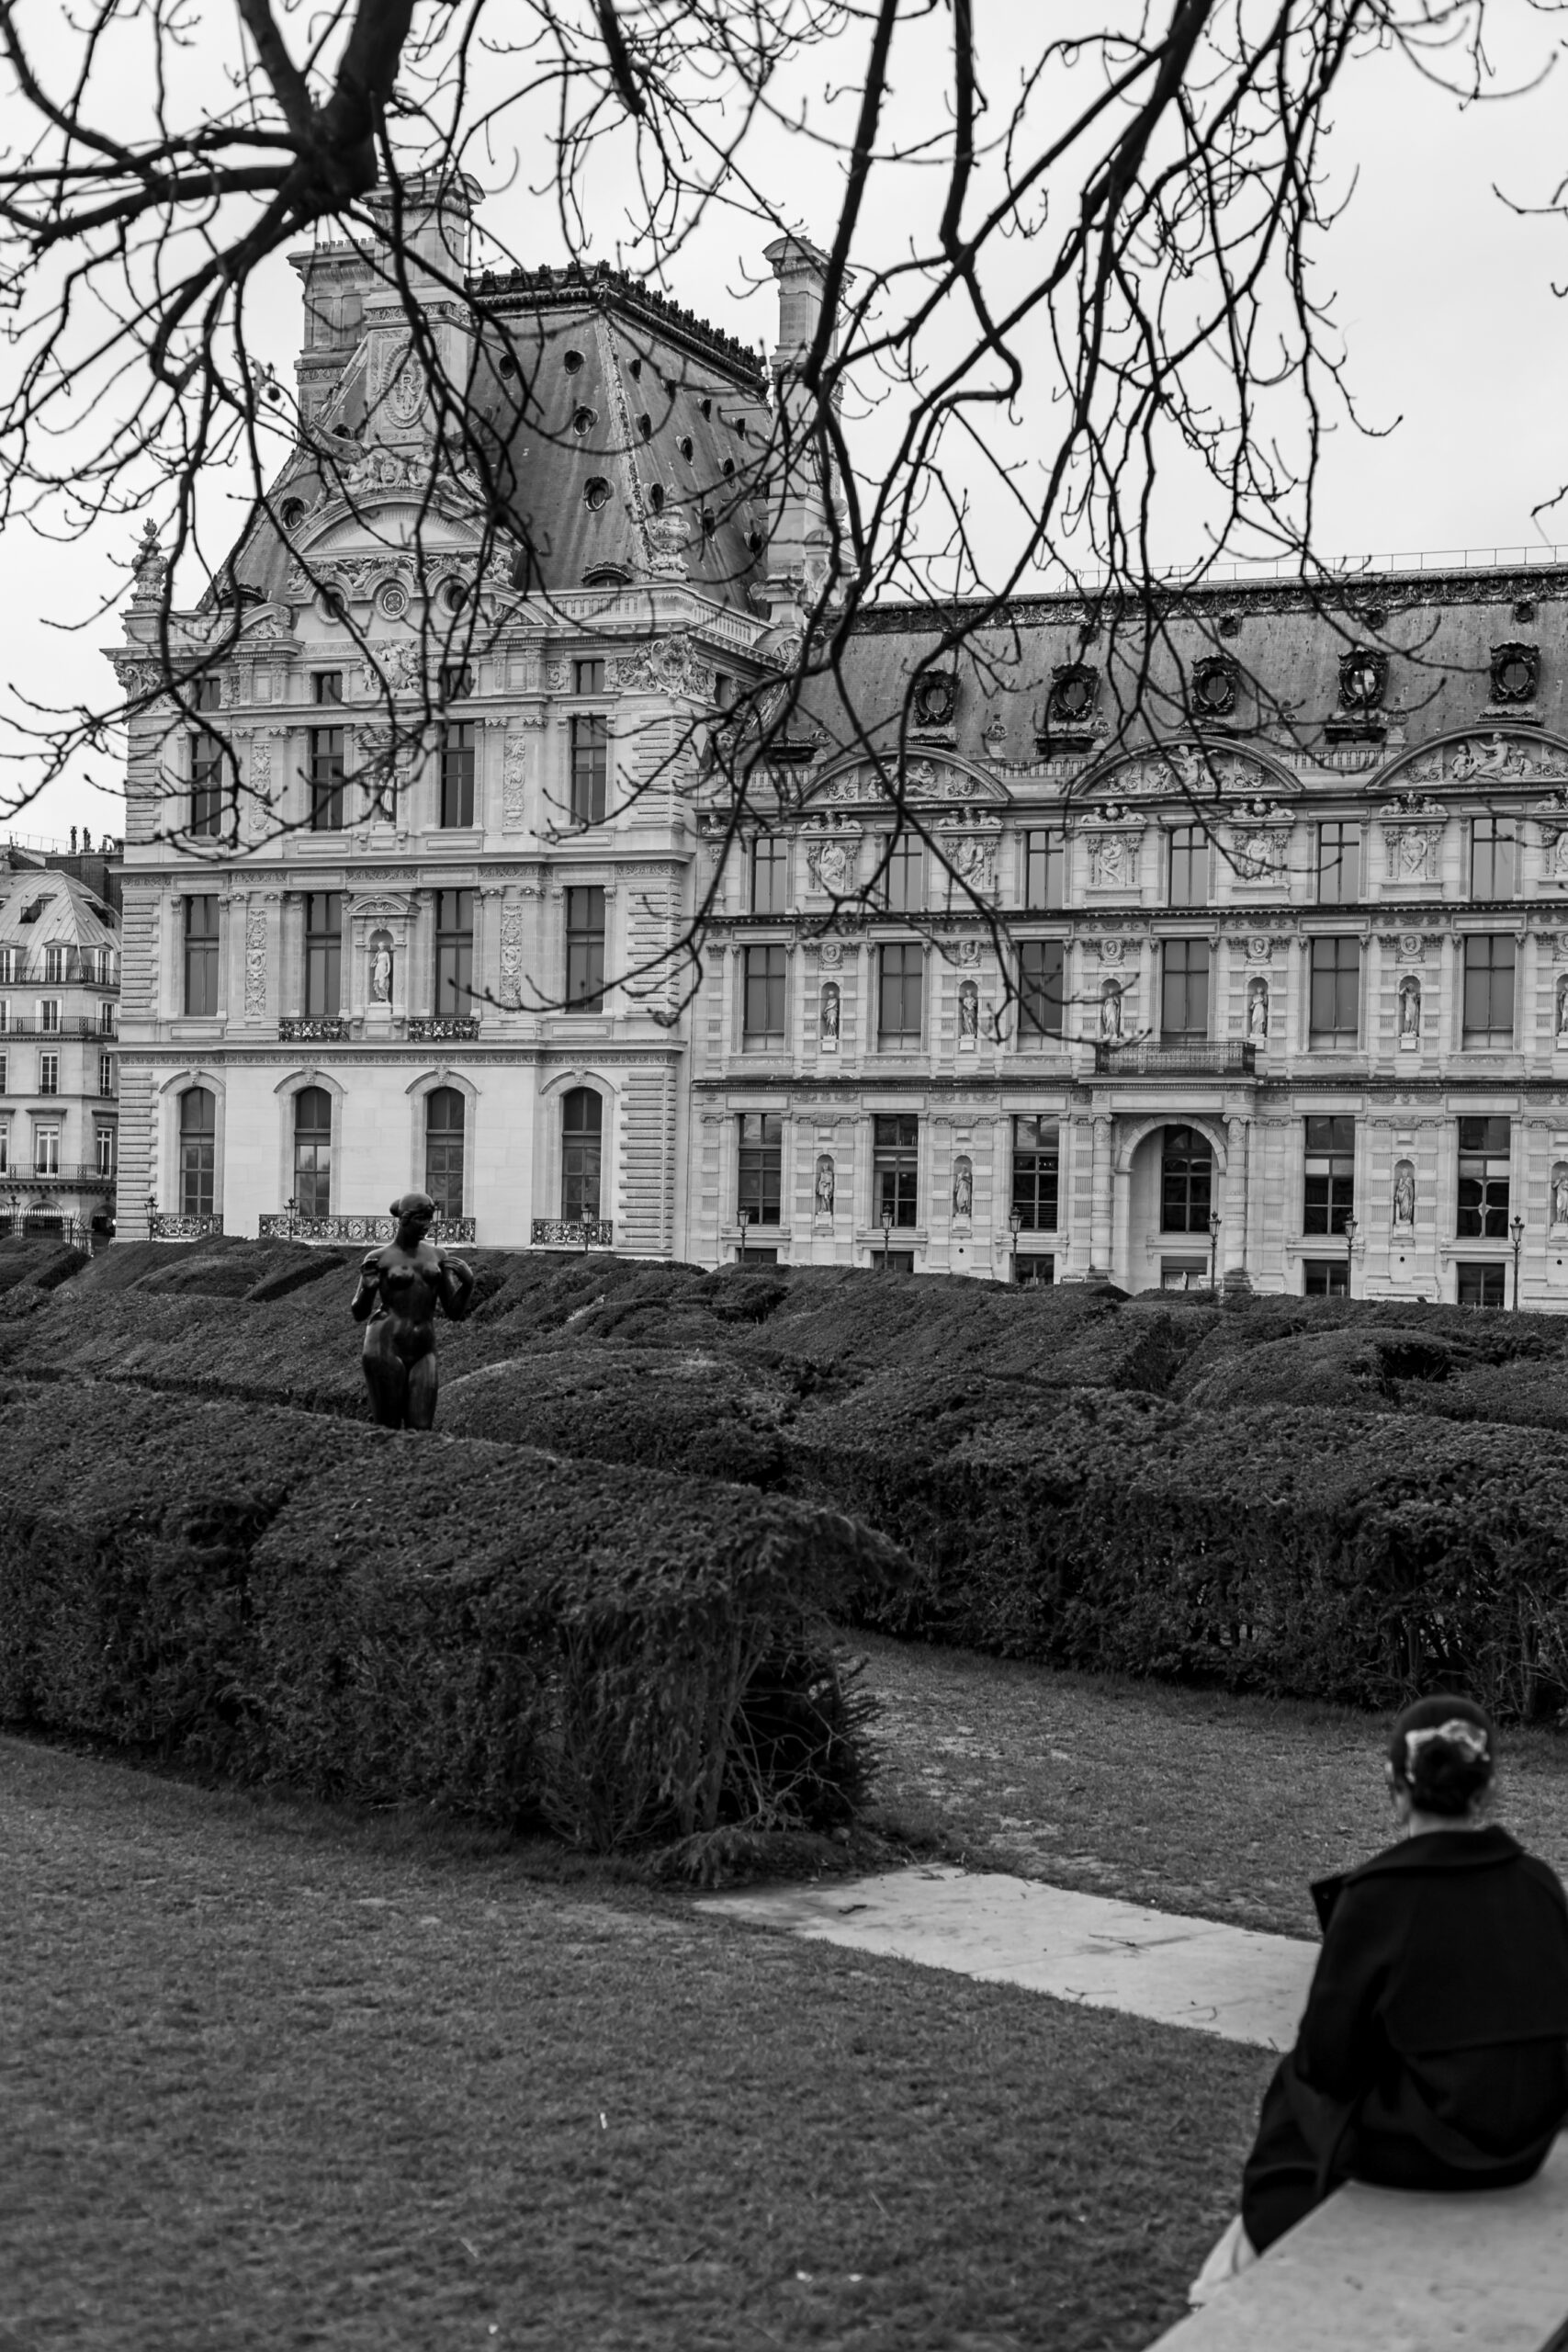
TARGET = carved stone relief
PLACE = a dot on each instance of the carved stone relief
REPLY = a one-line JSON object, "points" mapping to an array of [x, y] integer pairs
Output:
{"points": [[670, 665], [514, 779], [1410, 852], [1112, 861], [255, 963], [832, 863], [512, 955]]}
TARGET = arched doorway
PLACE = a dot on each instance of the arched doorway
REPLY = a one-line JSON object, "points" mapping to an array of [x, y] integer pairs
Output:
{"points": [[582, 1140]]}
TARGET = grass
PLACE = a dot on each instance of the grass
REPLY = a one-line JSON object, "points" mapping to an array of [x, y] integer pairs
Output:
{"points": [[278, 2076], [1189, 1801]]}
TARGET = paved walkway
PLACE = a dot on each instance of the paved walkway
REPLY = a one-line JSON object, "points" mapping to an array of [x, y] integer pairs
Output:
{"points": [[1229, 1981]]}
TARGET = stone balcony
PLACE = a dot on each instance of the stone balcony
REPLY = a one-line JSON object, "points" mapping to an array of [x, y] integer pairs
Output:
{"points": [[1186, 1058]]}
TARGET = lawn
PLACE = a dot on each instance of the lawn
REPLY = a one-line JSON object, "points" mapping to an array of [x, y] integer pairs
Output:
{"points": [[1189, 1800], [280, 2076]]}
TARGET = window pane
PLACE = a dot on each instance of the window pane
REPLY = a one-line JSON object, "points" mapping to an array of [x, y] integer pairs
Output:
{"points": [[581, 1132], [1036, 1163], [1045, 869], [900, 985], [454, 951], [458, 775], [590, 767], [763, 990], [1039, 988], [1187, 1163], [326, 777], [1184, 989], [323, 953], [760, 1183], [770, 866], [443, 1111], [894, 1168], [312, 1151], [1489, 991], [585, 951], [1189, 864], [1338, 864], [206, 783], [1492, 857], [1336, 991]]}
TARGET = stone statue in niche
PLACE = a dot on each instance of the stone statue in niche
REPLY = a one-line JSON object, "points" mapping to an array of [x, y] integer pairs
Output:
{"points": [[968, 1012], [1562, 1010], [824, 1184], [1560, 1193], [963, 1186], [1110, 1012], [381, 967], [1404, 1193], [828, 1024], [1409, 1011], [400, 1286], [834, 865], [1258, 1012]]}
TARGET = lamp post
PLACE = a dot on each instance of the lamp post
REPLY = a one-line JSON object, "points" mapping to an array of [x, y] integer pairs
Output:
{"points": [[151, 1213], [1014, 1221], [292, 1205], [1349, 1255], [1517, 1231], [1215, 1221], [742, 1218], [887, 1229]]}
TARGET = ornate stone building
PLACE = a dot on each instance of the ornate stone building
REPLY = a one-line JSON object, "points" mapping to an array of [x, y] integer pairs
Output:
{"points": [[1279, 989], [58, 989], [1284, 897]]}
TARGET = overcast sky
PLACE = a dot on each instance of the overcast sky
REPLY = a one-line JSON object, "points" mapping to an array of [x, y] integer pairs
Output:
{"points": [[1456, 344]]}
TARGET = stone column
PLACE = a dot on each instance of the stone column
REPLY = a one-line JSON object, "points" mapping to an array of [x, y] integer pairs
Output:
{"points": [[1101, 1211], [1238, 1186]]}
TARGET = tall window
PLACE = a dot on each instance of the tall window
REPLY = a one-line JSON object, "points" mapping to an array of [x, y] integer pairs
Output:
{"points": [[903, 877], [585, 951], [1492, 858], [206, 783], [763, 1017], [761, 1165], [104, 1140], [458, 742], [1045, 869], [457, 680], [106, 1074], [770, 875], [323, 953], [4, 1073], [901, 973], [198, 1151], [590, 767], [106, 1014], [4, 1147], [1036, 1163], [1339, 864], [454, 951], [326, 776], [313, 1151], [1483, 1180], [582, 1124], [1039, 988], [1330, 1196], [1184, 989], [49, 1015], [444, 1110], [1190, 866], [588, 678], [53, 966], [46, 1150], [1336, 1001], [49, 1073], [201, 955], [1185, 1181], [1489, 990], [896, 1167]]}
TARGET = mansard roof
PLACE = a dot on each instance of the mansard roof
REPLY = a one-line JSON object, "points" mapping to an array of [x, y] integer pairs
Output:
{"points": [[40, 907]]}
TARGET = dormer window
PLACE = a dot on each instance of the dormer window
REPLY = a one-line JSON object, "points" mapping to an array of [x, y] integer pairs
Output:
{"points": [[1213, 688], [1363, 680], [1515, 673]]}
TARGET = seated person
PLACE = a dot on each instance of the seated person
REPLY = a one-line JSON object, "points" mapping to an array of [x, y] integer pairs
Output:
{"points": [[1433, 2053]]}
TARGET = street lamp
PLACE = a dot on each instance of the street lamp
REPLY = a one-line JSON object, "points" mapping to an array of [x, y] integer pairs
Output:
{"points": [[1215, 1221], [742, 1218], [1349, 1255], [1014, 1221], [292, 1205], [1517, 1232], [887, 1229], [151, 1213]]}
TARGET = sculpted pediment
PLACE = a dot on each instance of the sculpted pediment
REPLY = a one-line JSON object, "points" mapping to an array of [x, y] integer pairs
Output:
{"points": [[1196, 771], [1486, 755], [930, 777]]}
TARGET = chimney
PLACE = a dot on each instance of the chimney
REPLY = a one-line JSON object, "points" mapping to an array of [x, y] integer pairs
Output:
{"points": [[799, 541]]}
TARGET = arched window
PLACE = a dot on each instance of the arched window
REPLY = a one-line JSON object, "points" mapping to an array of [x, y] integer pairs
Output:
{"points": [[582, 1120], [444, 1111], [1186, 1180], [313, 1151], [198, 1151]]}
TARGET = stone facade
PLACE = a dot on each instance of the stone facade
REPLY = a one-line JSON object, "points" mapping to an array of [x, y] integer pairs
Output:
{"points": [[59, 1093], [1230, 936]]}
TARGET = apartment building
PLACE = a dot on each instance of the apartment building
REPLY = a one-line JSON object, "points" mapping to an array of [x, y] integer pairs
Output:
{"points": [[59, 995]]}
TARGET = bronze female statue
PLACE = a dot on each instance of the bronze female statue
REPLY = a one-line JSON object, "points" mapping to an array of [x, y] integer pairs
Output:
{"points": [[400, 1288]]}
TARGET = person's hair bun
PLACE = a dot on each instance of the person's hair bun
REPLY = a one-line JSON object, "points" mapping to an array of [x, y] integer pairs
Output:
{"points": [[1442, 1750]]}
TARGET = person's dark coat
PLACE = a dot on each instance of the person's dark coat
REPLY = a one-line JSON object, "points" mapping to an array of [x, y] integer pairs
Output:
{"points": [[1433, 2053]]}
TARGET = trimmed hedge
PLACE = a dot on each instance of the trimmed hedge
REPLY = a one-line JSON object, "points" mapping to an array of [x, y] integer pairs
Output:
{"points": [[279, 1596]]}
